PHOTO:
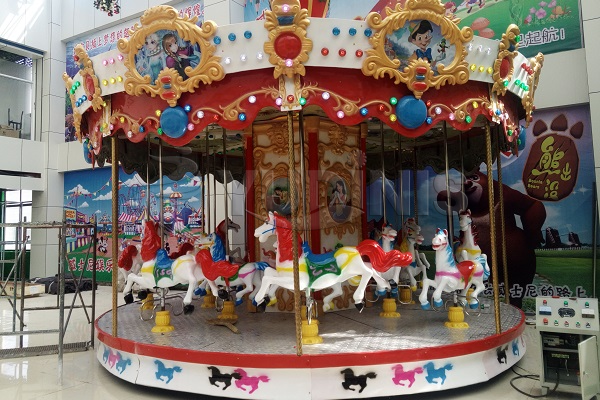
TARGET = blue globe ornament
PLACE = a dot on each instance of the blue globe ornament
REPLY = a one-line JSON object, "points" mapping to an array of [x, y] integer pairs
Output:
{"points": [[173, 122], [411, 112]]}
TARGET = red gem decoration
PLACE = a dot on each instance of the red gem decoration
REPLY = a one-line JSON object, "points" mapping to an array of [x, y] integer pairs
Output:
{"points": [[504, 68], [287, 45], [420, 86], [165, 79], [76, 58], [168, 95], [381, 108], [216, 118], [428, 103], [342, 52], [325, 51], [359, 53], [89, 84], [290, 98], [421, 70]]}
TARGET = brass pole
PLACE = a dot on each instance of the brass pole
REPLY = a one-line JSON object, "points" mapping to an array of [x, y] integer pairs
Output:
{"points": [[383, 202], [502, 230], [293, 198], [115, 229], [488, 148], [225, 193]]}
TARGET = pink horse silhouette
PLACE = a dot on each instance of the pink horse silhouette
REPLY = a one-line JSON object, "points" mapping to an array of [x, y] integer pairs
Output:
{"points": [[401, 375], [251, 381], [113, 358]]}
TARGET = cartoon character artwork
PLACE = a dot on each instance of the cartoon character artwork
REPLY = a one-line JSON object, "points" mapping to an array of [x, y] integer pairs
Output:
{"points": [[178, 57], [442, 46], [320, 271], [421, 34], [521, 238], [150, 59], [339, 201], [451, 276]]}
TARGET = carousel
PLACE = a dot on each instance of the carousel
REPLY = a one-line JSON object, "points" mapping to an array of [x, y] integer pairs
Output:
{"points": [[302, 111]]}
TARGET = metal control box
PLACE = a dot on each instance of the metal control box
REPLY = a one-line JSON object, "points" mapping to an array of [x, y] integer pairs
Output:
{"points": [[569, 328]]}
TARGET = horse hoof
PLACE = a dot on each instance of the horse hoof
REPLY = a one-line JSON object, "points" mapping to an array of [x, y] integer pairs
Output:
{"points": [[474, 306], [359, 306], [438, 303], [262, 307], [381, 293], [394, 291], [188, 309], [128, 298], [239, 288], [142, 294], [413, 288], [425, 306], [223, 294], [238, 301], [200, 291]]}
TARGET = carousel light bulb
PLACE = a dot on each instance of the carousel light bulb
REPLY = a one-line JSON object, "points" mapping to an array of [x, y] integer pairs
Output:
{"points": [[247, 34], [111, 60], [120, 57], [252, 99], [122, 119], [157, 113], [289, 62], [104, 82], [518, 82], [473, 67], [340, 114], [505, 82], [242, 117], [325, 95], [364, 111], [368, 32], [119, 78], [342, 52], [217, 40], [278, 101], [187, 108], [438, 110], [481, 68], [190, 127], [335, 31], [510, 132], [231, 37], [105, 62], [475, 104], [488, 51], [228, 60], [112, 80], [480, 48], [243, 58], [290, 98], [490, 70], [429, 120], [352, 31], [451, 116], [142, 129], [159, 131], [111, 127], [260, 55], [324, 51], [359, 53], [200, 114], [393, 118], [470, 46], [468, 119], [84, 97], [393, 101], [129, 134]]}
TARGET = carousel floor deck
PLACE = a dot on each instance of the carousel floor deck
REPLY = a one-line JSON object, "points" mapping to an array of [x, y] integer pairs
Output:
{"points": [[415, 353]]}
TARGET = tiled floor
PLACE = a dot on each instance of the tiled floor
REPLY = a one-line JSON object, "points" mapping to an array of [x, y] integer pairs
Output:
{"points": [[36, 377]]}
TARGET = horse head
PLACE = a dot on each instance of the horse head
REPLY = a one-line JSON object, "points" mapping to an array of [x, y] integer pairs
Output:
{"points": [[440, 239], [412, 231], [267, 229], [205, 241], [464, 219], [389, 233]]}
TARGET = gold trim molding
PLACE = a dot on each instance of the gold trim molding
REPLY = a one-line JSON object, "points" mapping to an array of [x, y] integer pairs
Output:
{"points": [[507, 50]]}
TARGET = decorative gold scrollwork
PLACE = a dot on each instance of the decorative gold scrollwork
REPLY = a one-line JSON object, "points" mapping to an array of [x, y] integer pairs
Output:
{"points": [[418, 75], [503, 66], [535, 64], [170, 84]]}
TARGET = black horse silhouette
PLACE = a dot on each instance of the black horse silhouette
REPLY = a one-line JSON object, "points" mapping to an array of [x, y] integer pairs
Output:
{"points": [[217, 376], [352, 380], [501, 354]]}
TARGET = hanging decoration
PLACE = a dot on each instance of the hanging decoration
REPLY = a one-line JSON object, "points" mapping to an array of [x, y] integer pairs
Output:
{"points": [[108, 6]]}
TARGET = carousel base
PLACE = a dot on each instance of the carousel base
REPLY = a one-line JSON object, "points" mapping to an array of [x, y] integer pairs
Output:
{"points": [[362, 354]]}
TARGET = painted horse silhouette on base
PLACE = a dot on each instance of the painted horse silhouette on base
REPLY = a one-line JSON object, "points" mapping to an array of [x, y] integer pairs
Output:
{"points": [[317, 272], [451, 276]]}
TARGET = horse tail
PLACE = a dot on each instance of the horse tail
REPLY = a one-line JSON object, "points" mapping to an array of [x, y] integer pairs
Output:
{"points": [[261, 265], [381, 260], [125, 260], [371, 375], [263, 378], [448, 367]]}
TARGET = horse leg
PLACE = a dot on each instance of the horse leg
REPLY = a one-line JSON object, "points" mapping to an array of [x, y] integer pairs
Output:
{"points": [[359, 293], [131, 279], [437, 293], [427, 283], [328, 300], [479, 287], [264, 286], [248, 288]]}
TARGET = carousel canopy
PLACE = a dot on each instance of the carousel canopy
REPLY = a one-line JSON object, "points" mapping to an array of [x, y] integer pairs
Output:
{"points": [[208, 81]]}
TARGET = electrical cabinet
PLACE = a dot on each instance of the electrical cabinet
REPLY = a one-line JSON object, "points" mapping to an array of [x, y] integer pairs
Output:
{"points": [[569, 329]]}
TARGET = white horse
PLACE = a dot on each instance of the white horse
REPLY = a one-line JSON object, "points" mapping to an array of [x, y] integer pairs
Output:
{"points": [[130, 261], [412, 237], [158, 270], [247, 274], [317, 272], [450, 276], [468, 249]]}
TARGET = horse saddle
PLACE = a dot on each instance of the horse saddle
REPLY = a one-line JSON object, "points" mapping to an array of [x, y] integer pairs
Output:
{"points": [[319, 264], [317, 259], [162, 265], [466, 269]]}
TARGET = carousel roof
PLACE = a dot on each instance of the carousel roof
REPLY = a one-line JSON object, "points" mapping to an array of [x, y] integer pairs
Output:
{"points": [[350, 71]]}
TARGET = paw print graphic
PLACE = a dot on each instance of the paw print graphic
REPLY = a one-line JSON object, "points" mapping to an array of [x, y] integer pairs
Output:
{"points": [[550, 172]]}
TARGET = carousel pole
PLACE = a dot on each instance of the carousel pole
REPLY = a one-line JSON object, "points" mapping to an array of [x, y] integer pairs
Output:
{"points": [[400, 187], [382, 172], [161, 194], [303, 175], [491, 202], [207, 182], [225, 199], [147, 178], [415, 200], [449, 215], [214, 191], [462, 171], [293, 198], [115, 229], [502, 230]]}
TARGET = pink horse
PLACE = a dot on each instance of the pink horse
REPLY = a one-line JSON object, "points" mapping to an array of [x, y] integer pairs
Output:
{"points": [[401, 375], [251, 381]]}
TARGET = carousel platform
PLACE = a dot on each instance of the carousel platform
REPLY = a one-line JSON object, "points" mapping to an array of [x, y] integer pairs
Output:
{"points": [[362, 355]]}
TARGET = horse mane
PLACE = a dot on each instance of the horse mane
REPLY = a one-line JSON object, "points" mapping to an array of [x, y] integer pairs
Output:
{"points": [[284, 237], [183, 250], [475, 233], [150, 242], [126, 257], [381, 260], [213, 270], [220, 230], [403, 247], [217, 250]]}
